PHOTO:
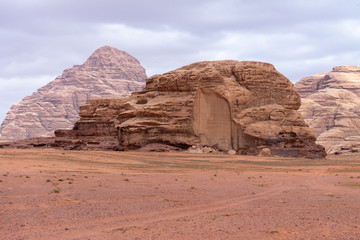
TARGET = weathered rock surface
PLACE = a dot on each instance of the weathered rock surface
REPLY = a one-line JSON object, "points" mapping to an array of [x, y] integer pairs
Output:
{"points": [[225, 105], [331, 107], [265, 153], [108, 72]]}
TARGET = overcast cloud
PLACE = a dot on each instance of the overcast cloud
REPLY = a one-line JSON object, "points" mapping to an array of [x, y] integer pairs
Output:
{"points": [[41, 38]]}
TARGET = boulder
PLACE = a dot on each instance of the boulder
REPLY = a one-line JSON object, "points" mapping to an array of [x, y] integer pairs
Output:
{"points": [[207, 150], [265, 152], [231, 152]]}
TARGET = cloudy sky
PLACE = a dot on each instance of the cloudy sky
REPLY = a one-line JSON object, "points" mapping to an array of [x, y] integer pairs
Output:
{"points": [[41, 38]]}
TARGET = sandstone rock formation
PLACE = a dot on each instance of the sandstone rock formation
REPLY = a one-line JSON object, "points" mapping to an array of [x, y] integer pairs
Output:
{"points": [[108, 72], [226, 105], [331, 107]]}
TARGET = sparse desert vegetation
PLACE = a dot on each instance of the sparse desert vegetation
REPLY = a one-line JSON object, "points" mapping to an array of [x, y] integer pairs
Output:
{"points": [[45, 194]]}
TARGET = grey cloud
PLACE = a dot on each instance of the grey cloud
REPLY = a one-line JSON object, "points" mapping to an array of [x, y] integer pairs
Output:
{"points": [[186, 14]]}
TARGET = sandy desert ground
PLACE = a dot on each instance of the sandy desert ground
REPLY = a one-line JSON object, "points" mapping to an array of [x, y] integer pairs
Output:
{"points": [[52, 194]]}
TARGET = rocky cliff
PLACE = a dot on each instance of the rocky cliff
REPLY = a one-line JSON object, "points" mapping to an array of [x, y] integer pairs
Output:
{"points": [[331, 107], [244, 106], [108, 72]]}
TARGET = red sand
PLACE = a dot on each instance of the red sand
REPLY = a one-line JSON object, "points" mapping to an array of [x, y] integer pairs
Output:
{"points": [[117, 195]]}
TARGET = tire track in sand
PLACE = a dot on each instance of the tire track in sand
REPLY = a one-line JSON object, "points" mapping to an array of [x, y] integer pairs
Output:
{"points": [[151, 217], [318, 181]]}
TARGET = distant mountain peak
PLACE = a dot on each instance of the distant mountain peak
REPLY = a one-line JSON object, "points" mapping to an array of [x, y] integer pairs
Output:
{"points": [[108, 72], [107, 55], [346, 69]]}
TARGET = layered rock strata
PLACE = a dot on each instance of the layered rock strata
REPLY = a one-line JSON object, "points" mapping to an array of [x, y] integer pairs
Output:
{"points": [[226, 105], [108, 72], [331, 107]]}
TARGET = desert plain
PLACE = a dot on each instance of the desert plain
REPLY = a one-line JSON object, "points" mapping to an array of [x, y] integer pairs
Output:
{"points": [[57, 194]]}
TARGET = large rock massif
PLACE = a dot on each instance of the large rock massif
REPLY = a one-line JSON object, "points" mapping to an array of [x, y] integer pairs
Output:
{"points": [[226, 105], [331, 107], [108, 72]]}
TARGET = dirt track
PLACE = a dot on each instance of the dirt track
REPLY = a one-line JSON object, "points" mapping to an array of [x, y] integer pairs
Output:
{"points": [[49, 194]]}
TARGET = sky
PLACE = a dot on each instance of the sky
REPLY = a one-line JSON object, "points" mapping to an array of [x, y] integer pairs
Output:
{"points": [[41, 38]]}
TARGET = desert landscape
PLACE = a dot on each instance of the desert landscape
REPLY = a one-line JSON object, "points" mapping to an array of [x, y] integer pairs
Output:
{"points": [[185, 120], [57, 194]]}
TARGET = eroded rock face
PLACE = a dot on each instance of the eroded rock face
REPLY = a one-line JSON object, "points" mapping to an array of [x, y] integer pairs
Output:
{"points": [[108, 72], [331, 107], [226, 105]]}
